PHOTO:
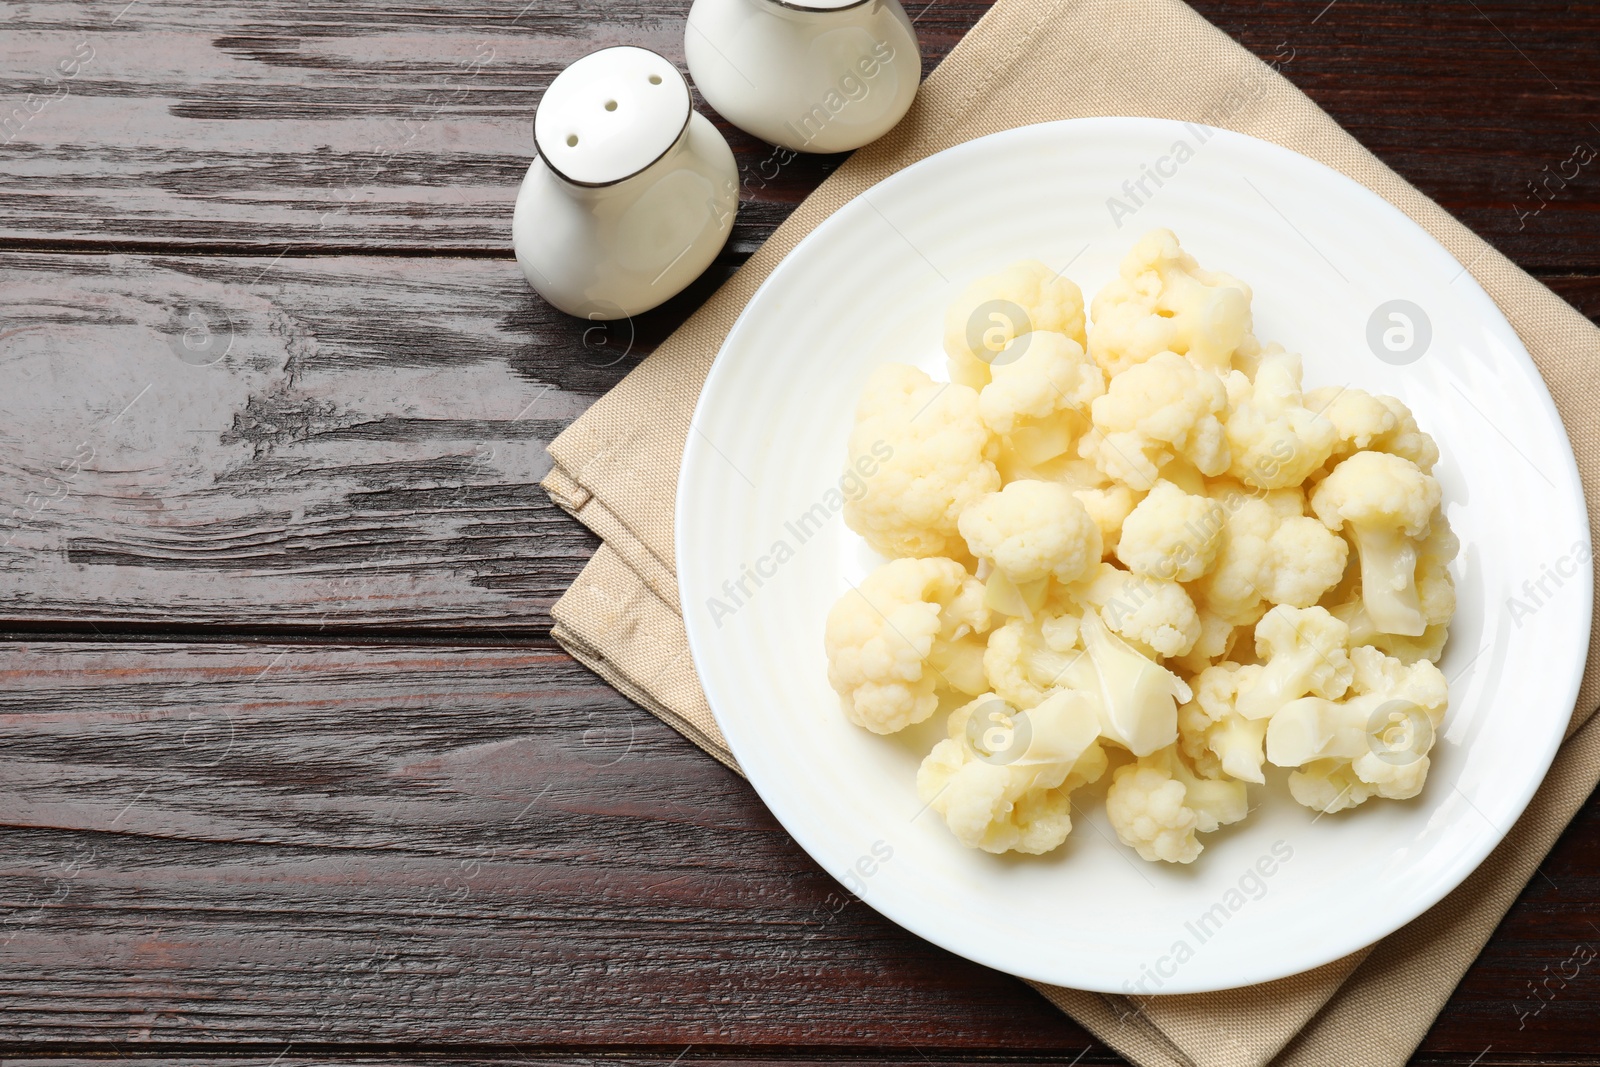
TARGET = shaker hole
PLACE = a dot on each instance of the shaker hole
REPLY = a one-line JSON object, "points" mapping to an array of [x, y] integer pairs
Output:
{"points": [[572, 140], [611, 105], [655, 79]]}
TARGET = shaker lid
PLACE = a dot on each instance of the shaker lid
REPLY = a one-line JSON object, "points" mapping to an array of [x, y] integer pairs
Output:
{"points": [[610, 115]]}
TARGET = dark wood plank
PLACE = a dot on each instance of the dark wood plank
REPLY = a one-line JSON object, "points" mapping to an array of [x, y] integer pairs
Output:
{"points": [[249, 843], [356, 440], [244, 843], [1469, 99], [405, 126], [291, 1054], [319, 124]]}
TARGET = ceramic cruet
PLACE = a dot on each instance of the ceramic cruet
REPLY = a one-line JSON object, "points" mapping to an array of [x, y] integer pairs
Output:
{"points": [[632, 193], [809, 75]]}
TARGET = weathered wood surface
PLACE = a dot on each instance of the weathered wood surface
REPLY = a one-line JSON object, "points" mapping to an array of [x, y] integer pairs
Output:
{"points": [[310, 442], [238, 844], [243, 843], [406, 125], [310, 852]]}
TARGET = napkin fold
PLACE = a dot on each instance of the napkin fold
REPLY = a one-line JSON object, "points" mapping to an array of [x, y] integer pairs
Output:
{"points": [[1027, 61]]}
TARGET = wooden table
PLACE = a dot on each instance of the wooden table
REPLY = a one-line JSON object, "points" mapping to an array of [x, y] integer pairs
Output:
{"points": [[290, 769]]}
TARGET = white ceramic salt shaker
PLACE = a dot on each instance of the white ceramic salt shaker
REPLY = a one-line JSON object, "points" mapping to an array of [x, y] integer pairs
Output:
{"points": [[633, 192], [810, 75]]}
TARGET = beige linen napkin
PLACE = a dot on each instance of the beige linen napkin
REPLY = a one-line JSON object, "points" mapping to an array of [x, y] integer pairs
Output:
{"points": [[1031, 61]]}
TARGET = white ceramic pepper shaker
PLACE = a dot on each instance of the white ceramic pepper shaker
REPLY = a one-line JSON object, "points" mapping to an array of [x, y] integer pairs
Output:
{"points": [[810, 75], [633, 192]]}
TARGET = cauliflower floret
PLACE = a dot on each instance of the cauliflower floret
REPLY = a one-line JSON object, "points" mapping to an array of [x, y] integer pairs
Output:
{"points": [[1136, 698], [1109, 506], [1407, 440], [1162, 301], [1363, 631], [1027, 660], [1331, 785], [906, 631], [1109, 503], [1386, 502], [1358, 417], [1033, 531], [1212, 733], [1171, 534], [1436, 589], [1002, 781], [1158, 805], [1270, 552], [1364, 422], [931, 455], [1305, 652], [1159, 410], [1155, 614], [1302, 562], [1216, 641], [979, 325], [1436, 599], [1039, 402], [1373, 743], [1273, 438]]}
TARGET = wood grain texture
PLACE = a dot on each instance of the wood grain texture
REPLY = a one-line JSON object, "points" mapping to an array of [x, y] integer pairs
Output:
{"points": [[306, 442], [292, 1054], [243, 843], [319, 124], [246, 843], [315, 124], [1469, 99]]}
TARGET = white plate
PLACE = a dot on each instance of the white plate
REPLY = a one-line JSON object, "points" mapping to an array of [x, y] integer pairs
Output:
{"points": [[1322, 252]]}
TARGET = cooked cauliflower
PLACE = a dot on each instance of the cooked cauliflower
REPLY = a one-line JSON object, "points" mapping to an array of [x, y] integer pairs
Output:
{"points": [[999, 799], [940, 460], [1162, 301], [1385, 501], [979, 325], [1305, 651], [1216, 641], [1136, 698], [1213, 734], [1033, 531], [1375, 743], [907, 631], [1273, 438], [1025, 660], [1364, 422], [1171, 534], [1271, 553], [1436, 600], [1109, 503], [1158, 805], [1155, 614], [1140, 538], [1162, 409], [1040, 400]]}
